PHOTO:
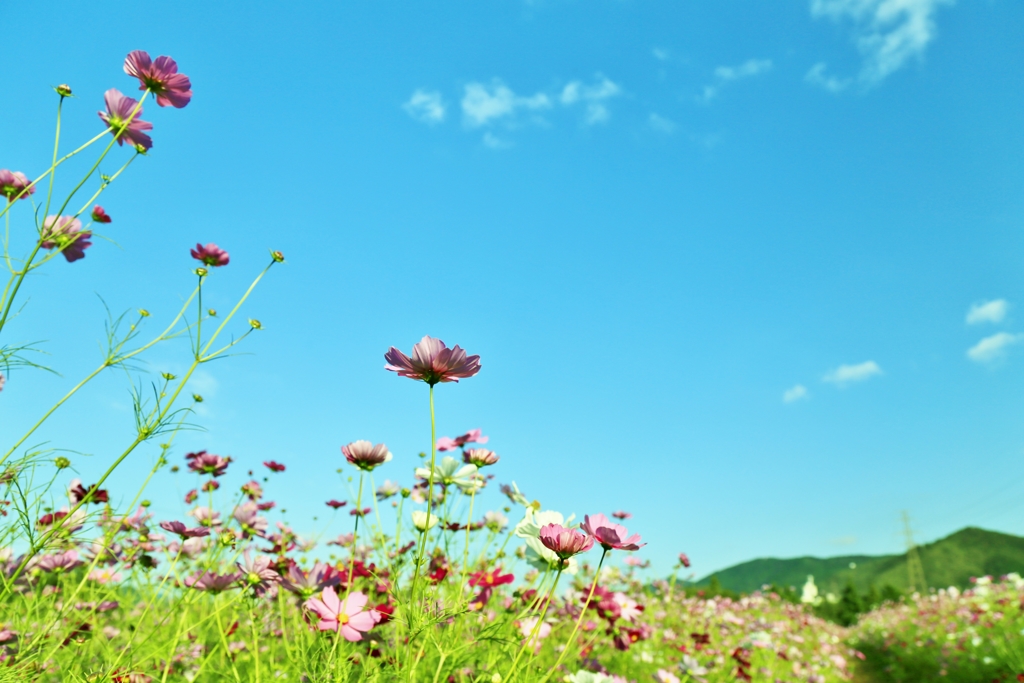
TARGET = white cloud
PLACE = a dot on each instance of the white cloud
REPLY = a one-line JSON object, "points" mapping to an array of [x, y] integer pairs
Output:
{"points": [[728, 74], [661, 124], [795, 394], [993, 348], [988, 312], [426, 106], [888, 33], [595, 96], [661, 54], [846, 374], [492, 141], [482, 104], [817, 76]]}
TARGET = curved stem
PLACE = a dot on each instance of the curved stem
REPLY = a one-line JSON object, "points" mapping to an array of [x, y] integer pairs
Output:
{"points": [[536, 627], [576, 628]]}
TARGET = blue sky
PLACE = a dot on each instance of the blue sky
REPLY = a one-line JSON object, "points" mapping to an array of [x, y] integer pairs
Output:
{"points": [[719, 259]]}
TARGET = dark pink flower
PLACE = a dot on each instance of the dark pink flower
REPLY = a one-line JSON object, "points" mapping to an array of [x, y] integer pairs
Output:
{"points": [[274, 466], [184, 531], [345, 616], [564, 542], [209, 581], [123, 125], [191, 496], [611, 536], [622, 514], [160, 77], [684, 560], [432, 362], [15, 185], [247, 515], [257, 573], [481, 457], [65, 233], [336, 504], [210, 255], [252, 490], [59, 562], [207, 463], [99, 215], [365, 455]]}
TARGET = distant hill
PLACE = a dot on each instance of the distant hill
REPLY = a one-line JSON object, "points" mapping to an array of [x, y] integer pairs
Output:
{"points": [[950, 561]]}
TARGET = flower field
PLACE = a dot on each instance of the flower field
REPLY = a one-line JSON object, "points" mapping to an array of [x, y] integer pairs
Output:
{"points": [[419, 582]]}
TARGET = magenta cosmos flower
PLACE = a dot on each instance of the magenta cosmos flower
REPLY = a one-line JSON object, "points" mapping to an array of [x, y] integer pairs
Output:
{"points": [[564, 542], [611, 536], [365, 455], [257, 573], [65, 233], [160, 77], [99, 215], [210, 255], [344, 616], [119, 110], [207, 463], [432, 362], [446, 443], [184, 531], [15, 183], [210, 581]]}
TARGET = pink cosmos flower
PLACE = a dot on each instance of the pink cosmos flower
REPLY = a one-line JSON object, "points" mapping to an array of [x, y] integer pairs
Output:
{"points": [[210, 255], [611, 536], [119, 110], [65, 233], [274, 466], [59, 562], [432, 362], [99, 215], [684, 560], [252, 490], [622, 514], [306, 583], [207, 463], [257, 573], [247, 515], [184, 531], [446, 443], [481, 457], [564, 542], [206, 517], [335, 504], [15, 183], [209, 581], [365, 455], [160, 77], [345, 616]]}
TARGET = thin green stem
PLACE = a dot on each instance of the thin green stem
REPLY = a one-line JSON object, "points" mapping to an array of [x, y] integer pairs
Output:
{"points": [[536, 627], [576, 628]]}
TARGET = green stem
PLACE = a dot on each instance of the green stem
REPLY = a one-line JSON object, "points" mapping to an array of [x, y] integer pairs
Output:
{"points": [[576, 628], [536, 627]]}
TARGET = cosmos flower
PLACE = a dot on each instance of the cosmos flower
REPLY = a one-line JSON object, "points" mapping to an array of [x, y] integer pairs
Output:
{"points": [[184, 531], [343, 616], [684, 560], [59, 562], [257, 573], [622, 514], [449, 472], [305, 584], [210, 255], [336, 504], [491, 578], [387, 489], [432, 362], [564, 542], [212, 582], [120, 109], [537, 554], [421, 521], [481, 457], [611, 536], [65, 233], [160, 77], [99, 215], [15, 183], [446, 443], [77, 492], [207, 463], [365, 455], [273, 466]]}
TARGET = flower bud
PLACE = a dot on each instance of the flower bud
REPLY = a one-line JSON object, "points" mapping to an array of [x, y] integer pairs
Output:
{"points": [[405, 493], [61, 462], [64, 90], [139, 148], [255, 324], [145, 503], [212, 312], [175, 468], [227, 539], [167, 376], [277, 256], [197, 398], [201, 272], [143, 312]]}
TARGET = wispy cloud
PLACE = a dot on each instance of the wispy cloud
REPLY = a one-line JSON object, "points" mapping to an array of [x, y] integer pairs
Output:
{"points": [[848, 374], [661, 124], [492, 141], [729, 74], [661, 54], [594, 96], [795, 394], [818, 76], [888, 33], [426, 106], [988, 312], [483, 104], [991, 349]]}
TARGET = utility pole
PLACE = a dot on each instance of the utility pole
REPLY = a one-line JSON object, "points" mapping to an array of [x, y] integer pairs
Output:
{"points": [[915, 570]]}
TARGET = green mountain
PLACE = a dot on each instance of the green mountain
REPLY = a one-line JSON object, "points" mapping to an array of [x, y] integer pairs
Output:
{"points": [[950, 561]]}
